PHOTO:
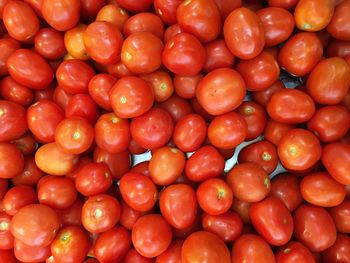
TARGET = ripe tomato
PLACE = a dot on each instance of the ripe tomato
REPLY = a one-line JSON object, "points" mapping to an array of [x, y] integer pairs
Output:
{"points": [[8, 46], [178, 205], [71, 216], [198, 168], [328, 83], [338, 48], [242, 209], [11, 161], [172, 31], [177, 107], [184, 54], [337, 27], [113, 14], [172, 254], [6, 241], [135, 6], [138, 191], [82, 105], [49, 43], [10, 90], [335, 158], [340, 215], [249, 182], [18, 197], [244, 33], [90, 8], [339, 252], [144, 22], [74, 42], [251, 248], [3, 187], [166, 10], [128, 216], [204, 246], [135, 257], [227, 6], [26, 253], [70, 245], [221, 91], [294, 252], [274, 131], [8, 256], [314, 227], [99, 87], [161, 83], [151, 235], [218, 56], [35, 225], [26, 143]]}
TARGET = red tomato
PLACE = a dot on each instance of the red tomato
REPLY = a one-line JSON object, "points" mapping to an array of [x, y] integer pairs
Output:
{"points": [[178, 205], [299, 150], [166, 10], [286, 187], [90, 8], [338, 48], [251, 248], [135, 257], [203, 246], [198, 168], [339, 252], [152, 129], [18, 197], [35, 225], [218, 56], [71, 216], [26, 253], [70, 245], [294, 252], [7, 256], [221, 91], [337, 26], [13, 123], [329, 81], [6, 241], [200, 18], [314, 227], [74, 42], [26, 143], [172, 254], [82, 105], [3, 187], [135, 6], [15, 92], [61, 14], [184, 54], [138, 191], [7, 46], [49, 43], [300, 53], [161, 83], [335, 158], [287, 4], [131, 97], [274, 131], [227, 6], [13, 163], [144, 22], [244, 33], [249, 182], [177, 107], [340, 215], [151, 235], [99, 87], [128, 216], [113, 14], [29, 69], [171, 31]]}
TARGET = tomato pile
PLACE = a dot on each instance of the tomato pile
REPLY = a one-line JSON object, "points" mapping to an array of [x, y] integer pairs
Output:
{"points": [[169, 131]]}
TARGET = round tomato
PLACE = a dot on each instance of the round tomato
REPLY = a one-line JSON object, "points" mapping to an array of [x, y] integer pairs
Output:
{"points": [[263, 96], [341, 215], [177, 107], [99, 87], [128, 215], [12, 161], [294, 252], [74, 42], [161, 83], [172, 254], [18, 197], [337, 26], [26, 253], [144, 22], [274, 131], [82, 105], [15, 92], [218, 56], [166, 10], [49, 43], [339, 252]]}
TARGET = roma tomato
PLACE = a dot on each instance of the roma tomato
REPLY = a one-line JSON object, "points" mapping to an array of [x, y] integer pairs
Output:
{"points": [[99, 87], [218, 56], [26, 253], [337, 26], [144, 22], [339, 252], [18, 197], [49, 43], [161, 83], [10, 90], [82, 105], [128, 216], [172, 254], [13, 163], [244, 33], [74, 42], [274, 131], [8, 46], [227, 6], [314, 227], [7, 239], [294, 252], [341, 215]]}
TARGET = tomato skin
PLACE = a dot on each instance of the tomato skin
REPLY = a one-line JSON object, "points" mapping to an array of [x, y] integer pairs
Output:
{"points": [[82, 105], [251, 248], [26, 253], [90, 8], [198, 168], [335, 158], [7, 256], [291, 106], [171, 31], [26, 144], [74, 42], [135, 6], [7, 239], [18, 197], [338, 48], [103, 42], [35, 225], [71, 216], [334, 84], [274, 131], [249, 182], [166, 10], [128, 216], [13, 163], [244, 33], [340, 215], [99, 87], [49, 43], [135, 257], [13, 91], [200, 18], [218, 56], [162, 84], [336, 27], [339, 252], [113, 14], [294, 252], [151, 235], [204, 246], [70, 245], [314, 227], [184, 55], [8, 46], [62, 15], [221, 91], [29, 69], [172, 254], [13, 123]]}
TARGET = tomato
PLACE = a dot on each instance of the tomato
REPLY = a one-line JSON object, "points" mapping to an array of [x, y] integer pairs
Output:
{"points": [[337, 27], [15, 92], [152, 129], [334, 84], [113, 14], [151, 235], [184, 55], [227, 6], [26, 143], [339, 252], [35, 225], [221, 91], [161, 83], [200, 18], [74, 42], [135, 6], [73, 76], [70, 245], [100, 213], [172, 31], [286, 187], [244, 33], [20, 21], [274, 131], [128, 216], [8, 46], [335, 158], [299, 150], [131, 97], [26, 253], [49, 43], [251, 248], [135, 257], [29, 69], [172, 254], [178, 205], [338, 48], [11, 161], [322, 190], [177, 107], [13, 123], [294, 252], [18, 197], [99, 87], [218, 56], [249, 182], [52, 160], [82, 105], [6, 241], [62, 15], [291, 106], [90, 8], [198, 168], [203, 246], [340, 215], [118, 70], [71, 216], [144, 22], [242, 209], [138, 191], [190, 132], [166, 10], [314, 227], [134, 148], [7, 256]]}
